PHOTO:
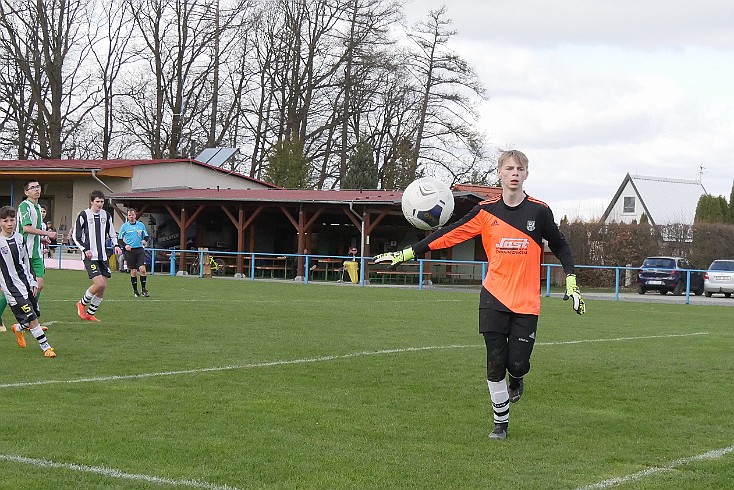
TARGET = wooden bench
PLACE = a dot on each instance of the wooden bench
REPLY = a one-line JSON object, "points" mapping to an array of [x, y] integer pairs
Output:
{"points": [[271, 268], [400, 274], [453, 276]]}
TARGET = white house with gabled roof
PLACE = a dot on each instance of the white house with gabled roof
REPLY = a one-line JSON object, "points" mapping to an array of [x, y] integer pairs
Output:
{"points": [[664, 201]]}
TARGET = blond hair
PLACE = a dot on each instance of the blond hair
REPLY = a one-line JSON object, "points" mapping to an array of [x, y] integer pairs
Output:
{"points": [[517, 155]]}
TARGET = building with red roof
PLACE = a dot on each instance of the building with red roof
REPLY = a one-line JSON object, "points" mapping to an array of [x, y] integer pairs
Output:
{"points": [[188, 204]]}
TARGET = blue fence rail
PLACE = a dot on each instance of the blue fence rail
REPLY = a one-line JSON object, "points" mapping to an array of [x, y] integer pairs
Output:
{"points": [[158, 260]]}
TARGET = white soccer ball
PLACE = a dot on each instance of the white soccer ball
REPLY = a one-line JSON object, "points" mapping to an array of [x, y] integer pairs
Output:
{"points": [[427, 203]]}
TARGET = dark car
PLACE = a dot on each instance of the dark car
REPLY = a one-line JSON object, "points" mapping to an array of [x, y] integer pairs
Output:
{"points": [[668, 274]]}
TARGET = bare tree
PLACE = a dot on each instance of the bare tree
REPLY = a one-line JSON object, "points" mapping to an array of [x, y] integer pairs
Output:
{"points": [[365, 40], [112, 54], [184, 44], [17, 127], [446, 134], [46, 40]]}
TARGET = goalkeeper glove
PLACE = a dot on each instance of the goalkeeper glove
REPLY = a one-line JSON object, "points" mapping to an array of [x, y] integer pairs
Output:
{"points": [[573, 292], [395, 257]]}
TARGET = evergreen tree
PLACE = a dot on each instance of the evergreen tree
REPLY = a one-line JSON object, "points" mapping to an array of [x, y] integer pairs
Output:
{"points": [[362, 172], [398, 172], [724, 206], [287, 166], [731, 205], [708, 210], [701, 210]]}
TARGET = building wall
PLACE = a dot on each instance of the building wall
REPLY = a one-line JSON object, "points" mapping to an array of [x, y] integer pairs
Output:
{"points": [[186, 175], [65, 198], [618, 214]]}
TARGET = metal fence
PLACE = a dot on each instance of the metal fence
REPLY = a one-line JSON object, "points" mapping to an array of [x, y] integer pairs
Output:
{"points": [[317, 268]]}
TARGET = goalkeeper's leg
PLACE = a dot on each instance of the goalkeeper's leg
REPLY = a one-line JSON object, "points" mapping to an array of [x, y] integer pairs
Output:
{"points": [[496, 367], [520, 346]]}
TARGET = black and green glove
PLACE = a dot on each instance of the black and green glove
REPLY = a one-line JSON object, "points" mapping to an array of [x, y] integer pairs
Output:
{"points": [[395, 258], [573, 292]]}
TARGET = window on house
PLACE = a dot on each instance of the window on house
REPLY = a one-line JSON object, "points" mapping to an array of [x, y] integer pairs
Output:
{"points": [[629, 205]]}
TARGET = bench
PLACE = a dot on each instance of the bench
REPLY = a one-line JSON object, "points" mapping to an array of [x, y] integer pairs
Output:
{"points": [[400, 274], [322, 270], [271, 268], [453, 276]]}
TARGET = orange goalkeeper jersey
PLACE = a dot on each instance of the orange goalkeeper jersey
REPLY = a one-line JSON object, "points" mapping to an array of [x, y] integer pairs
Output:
{"points": [[513, 240]]}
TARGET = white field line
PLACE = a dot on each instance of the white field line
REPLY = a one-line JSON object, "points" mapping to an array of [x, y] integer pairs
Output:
{"points": [[110, 473], [317, 359], [715, 454]]}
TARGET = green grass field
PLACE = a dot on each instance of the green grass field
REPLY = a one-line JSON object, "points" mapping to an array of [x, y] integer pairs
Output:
{"points": [[223, 384]]}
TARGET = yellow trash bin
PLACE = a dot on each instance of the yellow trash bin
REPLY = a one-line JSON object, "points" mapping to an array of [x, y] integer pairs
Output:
{"points": [[352, 269]]}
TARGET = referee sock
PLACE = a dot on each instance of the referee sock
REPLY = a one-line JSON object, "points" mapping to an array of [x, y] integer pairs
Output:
{"points": [[143, 281], [134, 281], [500, 401]]}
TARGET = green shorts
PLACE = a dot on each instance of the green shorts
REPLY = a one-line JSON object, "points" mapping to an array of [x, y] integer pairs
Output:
{"points": [[37, 267]]}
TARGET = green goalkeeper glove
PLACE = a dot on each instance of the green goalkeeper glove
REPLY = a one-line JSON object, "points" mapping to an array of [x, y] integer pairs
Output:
{"points": [[395, 257], [573, 292]]}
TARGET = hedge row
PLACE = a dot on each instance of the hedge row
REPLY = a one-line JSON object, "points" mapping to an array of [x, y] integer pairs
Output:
{"points": [[620, 244]]}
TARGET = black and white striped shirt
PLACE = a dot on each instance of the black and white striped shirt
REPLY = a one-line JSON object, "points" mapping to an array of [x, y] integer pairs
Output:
{"points": [[92, 230], [15, 270]]}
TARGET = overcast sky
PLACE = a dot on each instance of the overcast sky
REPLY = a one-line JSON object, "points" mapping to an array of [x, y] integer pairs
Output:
{"points": [[593, 90]]}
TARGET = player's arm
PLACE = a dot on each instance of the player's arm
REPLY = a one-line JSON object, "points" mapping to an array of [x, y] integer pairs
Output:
{"points": [[26, 223], [30, 229], [112, 233], [146, 236], [121, 236], [469, 226], [80, 231], [26, 263], [561, 249]]}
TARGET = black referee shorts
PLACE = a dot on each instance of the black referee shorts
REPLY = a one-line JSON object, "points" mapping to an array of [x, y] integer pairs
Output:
{"points": [[135, 258]]}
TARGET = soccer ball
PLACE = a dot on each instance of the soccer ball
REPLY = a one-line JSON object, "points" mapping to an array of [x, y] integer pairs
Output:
{"points": [[427, 203]]}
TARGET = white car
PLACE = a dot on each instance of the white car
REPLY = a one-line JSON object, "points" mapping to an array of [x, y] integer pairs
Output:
{"points": [[719, 278]]}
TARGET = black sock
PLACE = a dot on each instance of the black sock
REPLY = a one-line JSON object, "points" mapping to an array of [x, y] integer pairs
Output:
{"points": [[142, 281], [134, 281]]}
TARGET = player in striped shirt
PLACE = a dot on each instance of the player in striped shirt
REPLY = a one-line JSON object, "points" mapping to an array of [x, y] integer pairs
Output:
{"points": [[32, 228], [92, 228], [513, 227], [18, 284]]}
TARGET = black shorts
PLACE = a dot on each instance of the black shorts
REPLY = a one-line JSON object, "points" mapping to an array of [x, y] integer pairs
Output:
{"points": [[509, 338], [25, 310], [506, 322], [97, 268], [135, 258]]}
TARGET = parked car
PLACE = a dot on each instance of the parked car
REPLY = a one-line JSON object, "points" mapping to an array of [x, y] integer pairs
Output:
{"points": [[668, 274], [719, 278]]}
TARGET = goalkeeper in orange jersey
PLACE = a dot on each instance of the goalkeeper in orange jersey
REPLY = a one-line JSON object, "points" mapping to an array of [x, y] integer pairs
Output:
{"points": [[513, 227]]}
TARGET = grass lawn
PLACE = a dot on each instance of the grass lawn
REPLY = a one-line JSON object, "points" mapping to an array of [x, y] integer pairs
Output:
{"points": [[224, 384]]}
